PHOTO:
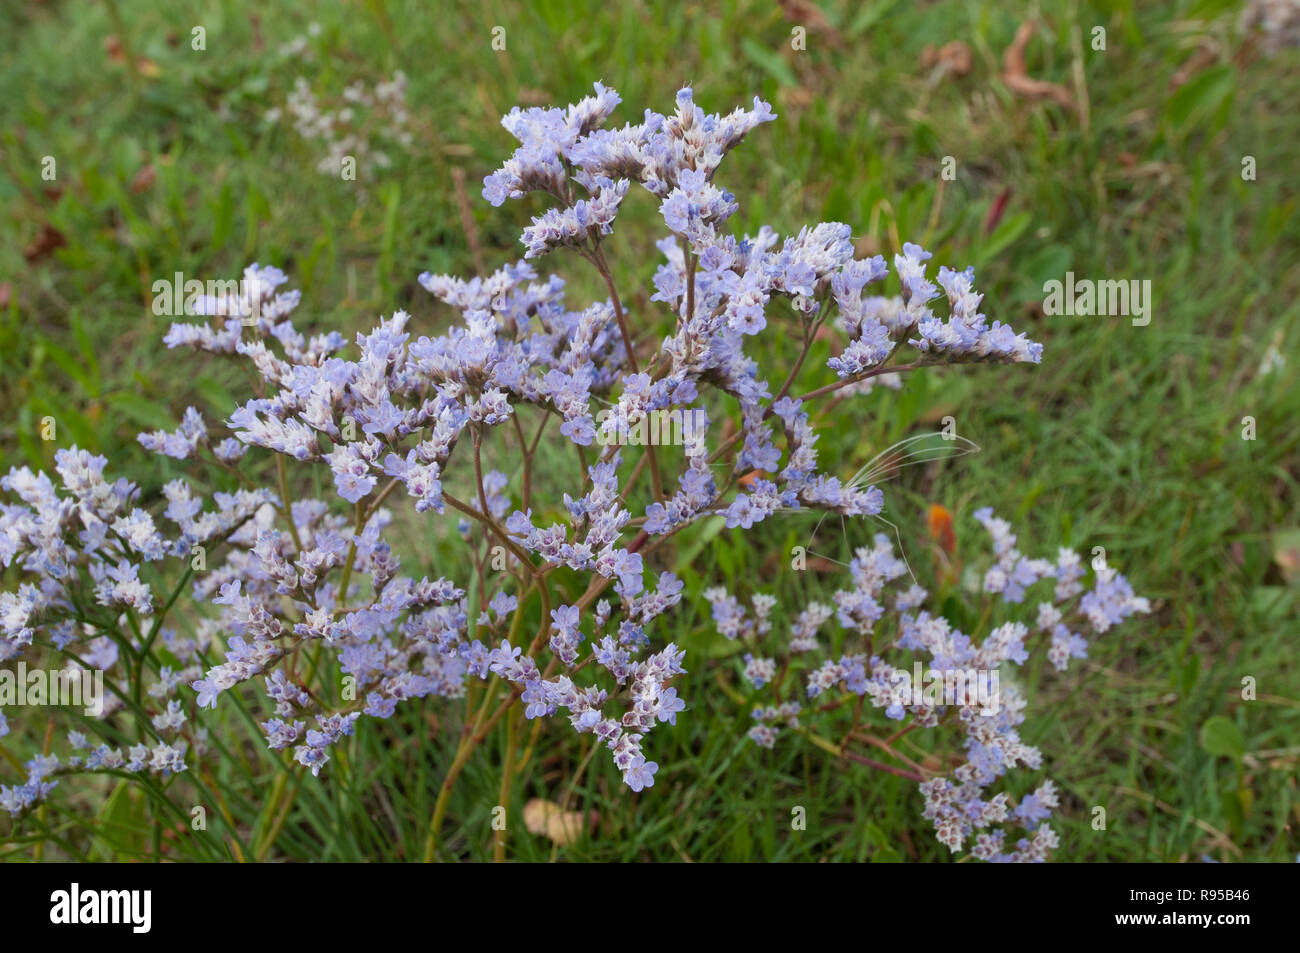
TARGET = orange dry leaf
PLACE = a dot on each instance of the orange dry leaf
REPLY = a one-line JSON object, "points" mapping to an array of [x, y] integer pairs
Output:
{"points": [[941, 528], [1017, 78]]}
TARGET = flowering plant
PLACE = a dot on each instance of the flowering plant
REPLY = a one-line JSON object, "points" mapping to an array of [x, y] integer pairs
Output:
{"points": [[960, 683], [307, 594], [366, 120]]}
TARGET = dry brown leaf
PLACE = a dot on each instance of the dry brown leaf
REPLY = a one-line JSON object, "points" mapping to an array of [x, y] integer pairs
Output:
{"points": [[1286, 553], [1203, 57], [866, 246], [795, 97], [996, 211], [550, 820], [143, 180], [955, 57], [1017, 78], [806, 14], [530, 96], [145, 67], [43, 244]]}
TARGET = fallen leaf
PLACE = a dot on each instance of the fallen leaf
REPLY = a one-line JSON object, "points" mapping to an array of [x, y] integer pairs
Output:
{"points": [[809, 15], [43, 244], [1286, 553], [796, 97], [117, 53], [996, 211], [553, 822], [143, 180], [953, 58], [866, 246], [941, 528], [529, 96], [1017, 79], [1203, 57]]}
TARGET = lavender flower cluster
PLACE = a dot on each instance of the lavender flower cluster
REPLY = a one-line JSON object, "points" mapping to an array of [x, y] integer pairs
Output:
{"points": [[361, 125], [279, 576], [887, 637], [85, 543]]}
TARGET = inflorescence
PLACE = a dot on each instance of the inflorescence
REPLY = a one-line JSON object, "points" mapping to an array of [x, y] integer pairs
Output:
{"points": [[289, 577]]}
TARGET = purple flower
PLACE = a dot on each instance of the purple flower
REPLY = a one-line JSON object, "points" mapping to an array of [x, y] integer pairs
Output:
{"points": [[640, 774]]}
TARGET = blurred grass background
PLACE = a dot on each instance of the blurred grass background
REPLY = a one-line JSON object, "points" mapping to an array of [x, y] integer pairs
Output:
{"points": [[1128, 438]]}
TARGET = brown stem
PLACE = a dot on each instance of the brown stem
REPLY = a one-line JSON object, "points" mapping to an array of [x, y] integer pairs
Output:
{"points": [[902, 773], [528, 460], [491, 524], [598, 259]]}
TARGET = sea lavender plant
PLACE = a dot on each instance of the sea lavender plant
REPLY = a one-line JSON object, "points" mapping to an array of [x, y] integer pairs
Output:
{"points": [[558, 613], [360, 126], [917, 669]]}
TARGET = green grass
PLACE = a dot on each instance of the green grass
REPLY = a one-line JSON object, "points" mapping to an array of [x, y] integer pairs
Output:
{"points": [[1128, 438]]}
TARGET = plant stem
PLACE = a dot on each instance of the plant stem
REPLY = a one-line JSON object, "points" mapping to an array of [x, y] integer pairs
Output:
{"points": [[503, 799], [282, 475], [463, 752], [900, 772], [598, 259]]}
